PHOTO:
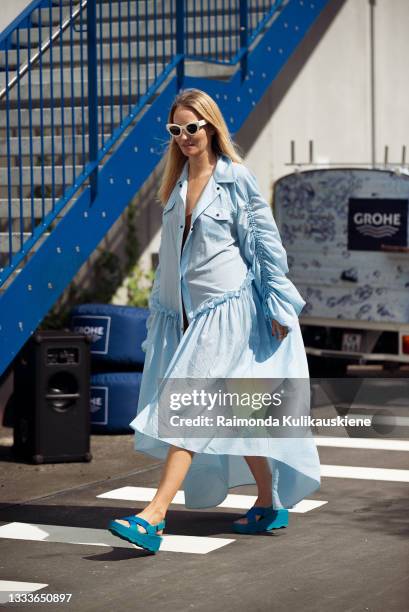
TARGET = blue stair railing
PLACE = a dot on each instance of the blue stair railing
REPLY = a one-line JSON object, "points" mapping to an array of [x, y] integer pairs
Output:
{"points": [[85, 87]]}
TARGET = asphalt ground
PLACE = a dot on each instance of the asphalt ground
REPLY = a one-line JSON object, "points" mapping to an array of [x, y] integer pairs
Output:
{"points": [[350, 553]]}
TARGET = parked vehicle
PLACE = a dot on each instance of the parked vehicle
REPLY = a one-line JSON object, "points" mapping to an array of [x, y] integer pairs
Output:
{"points": [[346, 236]]}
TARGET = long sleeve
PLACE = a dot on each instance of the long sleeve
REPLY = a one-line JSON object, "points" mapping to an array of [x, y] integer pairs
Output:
{"points": [[152, 298], [261, 246]]}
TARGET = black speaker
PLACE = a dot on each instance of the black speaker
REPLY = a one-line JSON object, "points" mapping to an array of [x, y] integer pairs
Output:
{"points": [[52, 398]]}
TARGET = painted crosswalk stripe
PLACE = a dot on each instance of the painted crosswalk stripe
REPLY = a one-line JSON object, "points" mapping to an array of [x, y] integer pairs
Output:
{"points": [[9, 587], [364, 473], [369, 443], [102, 537], [234, 501]]}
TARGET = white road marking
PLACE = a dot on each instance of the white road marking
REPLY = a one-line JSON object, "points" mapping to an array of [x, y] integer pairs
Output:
{"points": [[146, 494], [139, 494], [370, 443], [26, 587], [305, 505], [102, 537], [192, 544], [247, 501], [364, 473], [9, 587]]}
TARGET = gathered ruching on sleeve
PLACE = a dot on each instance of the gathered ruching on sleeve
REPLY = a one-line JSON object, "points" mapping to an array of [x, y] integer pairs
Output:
{"points": [[261, 244]]}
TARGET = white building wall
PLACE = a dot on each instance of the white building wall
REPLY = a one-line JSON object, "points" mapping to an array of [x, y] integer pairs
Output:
{"points": [[329, 102], [392, 77]]}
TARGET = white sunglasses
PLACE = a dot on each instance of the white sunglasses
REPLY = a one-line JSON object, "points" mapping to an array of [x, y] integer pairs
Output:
{"points": [[189, 128]]}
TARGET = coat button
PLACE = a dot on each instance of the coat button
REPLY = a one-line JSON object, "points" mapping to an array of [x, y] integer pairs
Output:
{"points": [[181, 226], [180, 184]]}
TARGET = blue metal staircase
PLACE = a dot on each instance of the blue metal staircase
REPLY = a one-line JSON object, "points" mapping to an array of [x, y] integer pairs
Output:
{"points": [[85, 88]]}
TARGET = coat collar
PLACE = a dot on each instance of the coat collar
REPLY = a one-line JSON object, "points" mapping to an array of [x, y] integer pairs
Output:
{"points": [[223, 173]]}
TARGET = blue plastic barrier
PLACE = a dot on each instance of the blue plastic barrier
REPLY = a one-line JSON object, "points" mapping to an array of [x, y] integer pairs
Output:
{"points": [[117, 331], [114, 401]]}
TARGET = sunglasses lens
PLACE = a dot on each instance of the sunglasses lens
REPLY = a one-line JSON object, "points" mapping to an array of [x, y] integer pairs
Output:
{"points": [[175, 130], [191, 128]]}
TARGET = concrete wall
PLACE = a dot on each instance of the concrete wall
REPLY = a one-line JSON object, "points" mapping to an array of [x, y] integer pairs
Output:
{"points": [[9, 11], [392, 84], [331, 98]]}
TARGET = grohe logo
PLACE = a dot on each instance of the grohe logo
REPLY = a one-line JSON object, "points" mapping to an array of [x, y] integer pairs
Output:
{"points": [[95, 332], [374, 222], [96, 326], [377, 225]]}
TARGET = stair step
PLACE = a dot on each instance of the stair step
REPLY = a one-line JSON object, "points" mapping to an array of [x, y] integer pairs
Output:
{"points": [[52, 175], [119, 89], [44, 145], [164, 51], [166, 3], [140, 10], [16, 245], [78, 71], [142, 29], [118, 69], [46, 112], [37, 175], [47, 95], [15, 208]]}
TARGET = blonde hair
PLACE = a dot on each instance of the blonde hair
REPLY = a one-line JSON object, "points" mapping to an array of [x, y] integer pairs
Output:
{"points": [[222, 143]]}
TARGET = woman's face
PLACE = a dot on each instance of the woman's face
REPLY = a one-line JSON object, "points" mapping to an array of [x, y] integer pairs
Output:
{"points": [[192, 145]]}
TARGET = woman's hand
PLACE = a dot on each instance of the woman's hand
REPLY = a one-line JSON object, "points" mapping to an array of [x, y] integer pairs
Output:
{"points": [[281, 330]]}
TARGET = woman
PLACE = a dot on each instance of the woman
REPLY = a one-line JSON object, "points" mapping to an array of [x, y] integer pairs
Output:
{"points": [[221, 307]]}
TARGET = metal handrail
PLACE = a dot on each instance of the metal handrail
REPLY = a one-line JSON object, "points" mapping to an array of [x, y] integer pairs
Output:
{"points": [[33, 60]]}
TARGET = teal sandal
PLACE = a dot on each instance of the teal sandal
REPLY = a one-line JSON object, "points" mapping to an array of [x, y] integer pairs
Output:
{"points": [[149, 540], [269, 519]]}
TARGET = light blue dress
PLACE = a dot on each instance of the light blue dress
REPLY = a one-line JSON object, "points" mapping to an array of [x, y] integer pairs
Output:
{"points": [[232, 276]]}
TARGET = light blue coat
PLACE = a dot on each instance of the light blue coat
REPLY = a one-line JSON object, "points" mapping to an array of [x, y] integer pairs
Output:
{"points": [[232, 276]]}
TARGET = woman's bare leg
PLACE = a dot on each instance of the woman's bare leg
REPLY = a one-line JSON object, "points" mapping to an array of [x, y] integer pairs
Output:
{"points": [[261, 471], [175, 469]]}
